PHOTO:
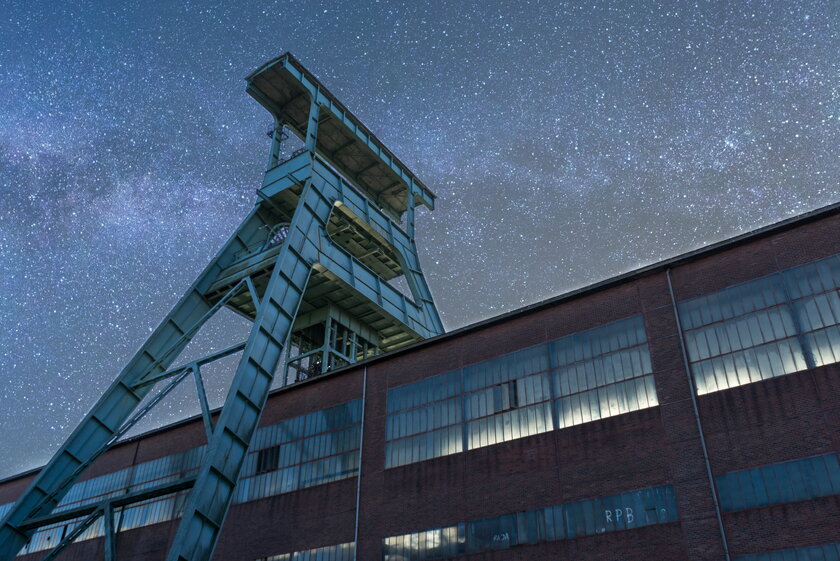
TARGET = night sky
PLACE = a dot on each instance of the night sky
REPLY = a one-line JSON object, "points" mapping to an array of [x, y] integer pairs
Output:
{"points": [[566, 143]]}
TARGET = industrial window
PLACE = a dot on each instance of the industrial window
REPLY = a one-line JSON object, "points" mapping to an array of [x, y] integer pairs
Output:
{"points": [[340, 552], [308, 450], [768, 327], [816, 300], [49, 536], [655, 505], [424, 420], [136, 478], [153, 511], [784, 482], [827, 552], [507, 398], [576, 379], [603, 372]]}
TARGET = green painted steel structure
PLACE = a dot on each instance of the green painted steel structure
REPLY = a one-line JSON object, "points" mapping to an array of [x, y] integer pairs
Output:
{"points": [[341, 200]]}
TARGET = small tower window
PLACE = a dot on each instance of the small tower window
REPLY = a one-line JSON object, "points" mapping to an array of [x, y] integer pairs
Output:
{"points": [[268, 459]]}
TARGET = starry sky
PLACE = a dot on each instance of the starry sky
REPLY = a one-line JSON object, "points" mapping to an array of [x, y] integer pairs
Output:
{"points": [[567, 141]]}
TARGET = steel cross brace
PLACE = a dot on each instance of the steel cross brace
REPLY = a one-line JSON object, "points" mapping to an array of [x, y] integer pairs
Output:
{"points": [[179, 374], [105, 509], [104, 421], [76, 532]]}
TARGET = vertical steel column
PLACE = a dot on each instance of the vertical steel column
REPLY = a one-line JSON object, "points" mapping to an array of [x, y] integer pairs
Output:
{"points": [[359, 474], [276, 144], [110, 533], [202, 400], [329, 343], [693, 391], [410, 210], [311, 140]]}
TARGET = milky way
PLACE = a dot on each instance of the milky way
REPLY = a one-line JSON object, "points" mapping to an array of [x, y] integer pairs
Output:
{"points": [[566, 143]]}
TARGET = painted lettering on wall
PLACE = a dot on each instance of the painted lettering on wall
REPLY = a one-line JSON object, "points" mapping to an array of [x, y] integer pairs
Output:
{"points": [[618, 515]]}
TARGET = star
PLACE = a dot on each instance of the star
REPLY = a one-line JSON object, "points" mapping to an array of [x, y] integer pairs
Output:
{"points": [[567, 142]]}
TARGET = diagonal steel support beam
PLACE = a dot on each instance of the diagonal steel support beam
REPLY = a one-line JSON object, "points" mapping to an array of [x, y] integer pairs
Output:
{"points": [[193, 329], [208, 504], [116, 502], [75, 533], [270, 203], [253, 292], [142, 412], [104, 421], [200, 362], [202, 400]]}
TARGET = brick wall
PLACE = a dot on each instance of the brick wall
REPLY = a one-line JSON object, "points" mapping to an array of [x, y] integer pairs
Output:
{"points": [[775, 420]]}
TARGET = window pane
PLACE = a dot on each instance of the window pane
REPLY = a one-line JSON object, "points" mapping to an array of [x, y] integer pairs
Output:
{"points": [[776, 483]]}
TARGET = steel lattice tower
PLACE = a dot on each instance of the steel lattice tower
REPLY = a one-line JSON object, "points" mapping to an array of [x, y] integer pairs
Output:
{"points": [[310, 267]]}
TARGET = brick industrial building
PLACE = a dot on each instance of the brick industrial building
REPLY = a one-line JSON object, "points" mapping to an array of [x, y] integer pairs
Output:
{"points": [[565, 430]]}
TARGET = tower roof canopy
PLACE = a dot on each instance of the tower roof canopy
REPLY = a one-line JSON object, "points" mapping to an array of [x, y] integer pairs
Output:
{"points": [[286, 89]]}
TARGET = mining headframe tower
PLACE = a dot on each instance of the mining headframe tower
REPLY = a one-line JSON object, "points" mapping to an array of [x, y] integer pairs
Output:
{"points": [[313, 267]]}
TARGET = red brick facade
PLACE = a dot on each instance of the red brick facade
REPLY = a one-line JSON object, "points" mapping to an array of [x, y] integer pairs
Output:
{"points": [[784, 418]]}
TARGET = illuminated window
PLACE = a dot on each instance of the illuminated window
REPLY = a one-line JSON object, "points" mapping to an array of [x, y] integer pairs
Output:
{"points": [[311, 449], [603, 372], [340, 552], [768, 327], [507, 397], [816, 300], [425, 420], [579, 378]]}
